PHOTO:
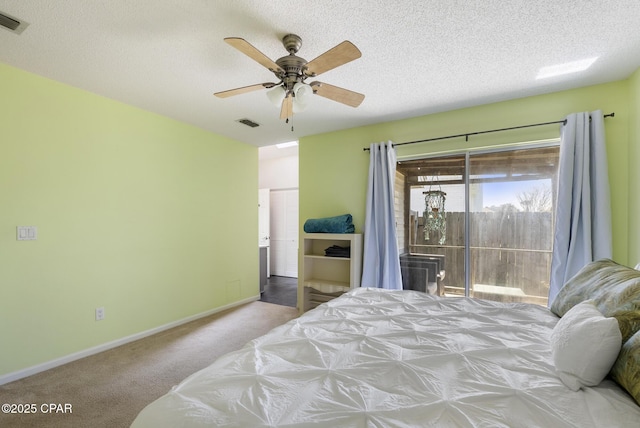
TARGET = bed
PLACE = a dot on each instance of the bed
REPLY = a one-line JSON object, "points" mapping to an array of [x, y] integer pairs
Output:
{"points": [[379, 358]]}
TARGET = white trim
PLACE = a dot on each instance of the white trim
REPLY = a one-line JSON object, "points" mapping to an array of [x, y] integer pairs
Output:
{"points": [[29, 371]]}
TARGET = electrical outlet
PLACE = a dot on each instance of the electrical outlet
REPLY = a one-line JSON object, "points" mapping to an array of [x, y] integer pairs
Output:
{"points": [[99, 314]]}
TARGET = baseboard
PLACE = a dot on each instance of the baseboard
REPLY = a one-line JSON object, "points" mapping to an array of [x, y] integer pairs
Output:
{"points": [[29, 371]]}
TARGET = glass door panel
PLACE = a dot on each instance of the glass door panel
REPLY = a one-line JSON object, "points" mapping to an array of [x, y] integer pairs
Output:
{"points": [[434, 236], [511, 224]]}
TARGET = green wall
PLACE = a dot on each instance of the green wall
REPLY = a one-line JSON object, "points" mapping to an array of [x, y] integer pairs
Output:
{"points": [[334, 167], [135, 213]]}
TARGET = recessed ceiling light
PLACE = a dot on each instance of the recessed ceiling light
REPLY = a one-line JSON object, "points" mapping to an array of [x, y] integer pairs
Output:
{"points": [[566, 68], [285, 145]]}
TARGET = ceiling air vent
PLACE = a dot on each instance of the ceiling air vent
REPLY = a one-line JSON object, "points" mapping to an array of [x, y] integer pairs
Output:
{"points": [[248, 122], [12, 24]]}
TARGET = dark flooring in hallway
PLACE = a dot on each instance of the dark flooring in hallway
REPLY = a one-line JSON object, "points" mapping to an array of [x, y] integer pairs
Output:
{"points": [[281, 290]]}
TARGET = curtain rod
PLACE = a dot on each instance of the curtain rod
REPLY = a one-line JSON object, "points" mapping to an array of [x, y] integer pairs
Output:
{"points": [[466, 135]]}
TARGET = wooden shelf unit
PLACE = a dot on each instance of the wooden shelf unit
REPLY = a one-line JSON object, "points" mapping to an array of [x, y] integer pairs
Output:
{"points": [[323, 278]]}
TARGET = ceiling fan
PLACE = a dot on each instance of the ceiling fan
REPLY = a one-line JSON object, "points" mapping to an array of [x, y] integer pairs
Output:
{"points": [[291, 91]]}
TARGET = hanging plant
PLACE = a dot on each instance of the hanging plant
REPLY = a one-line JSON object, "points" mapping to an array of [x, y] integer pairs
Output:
{"points": [[434, 214]]}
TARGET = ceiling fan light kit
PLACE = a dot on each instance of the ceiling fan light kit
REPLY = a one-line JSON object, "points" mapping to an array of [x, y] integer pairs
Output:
{"points": [[291, 92], [302, 93], [276, 95]]}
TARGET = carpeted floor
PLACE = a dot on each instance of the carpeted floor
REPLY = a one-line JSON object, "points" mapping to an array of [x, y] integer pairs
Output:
{"points": [[110, 388]]}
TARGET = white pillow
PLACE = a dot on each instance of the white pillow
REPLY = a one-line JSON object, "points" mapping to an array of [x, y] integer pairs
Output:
{"points": [[585, 345]]}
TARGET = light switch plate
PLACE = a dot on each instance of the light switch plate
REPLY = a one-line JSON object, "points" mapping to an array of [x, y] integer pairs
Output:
{"points": [[26, 233]]}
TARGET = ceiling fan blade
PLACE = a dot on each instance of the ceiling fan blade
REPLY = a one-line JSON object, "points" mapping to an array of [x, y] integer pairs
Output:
{"points": [[335, 57], [287, 107], [247, 48], [344, 96], [243, 90]]}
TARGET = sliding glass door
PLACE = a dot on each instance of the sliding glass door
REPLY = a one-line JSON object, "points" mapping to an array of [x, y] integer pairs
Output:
{"points": [[494, 231]]}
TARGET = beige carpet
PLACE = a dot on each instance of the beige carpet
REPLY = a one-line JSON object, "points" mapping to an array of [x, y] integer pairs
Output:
{"points": [[110, 388]]}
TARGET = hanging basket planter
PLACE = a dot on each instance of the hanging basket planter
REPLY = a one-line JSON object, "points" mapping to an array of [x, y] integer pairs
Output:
{"points": [[434, 214]]}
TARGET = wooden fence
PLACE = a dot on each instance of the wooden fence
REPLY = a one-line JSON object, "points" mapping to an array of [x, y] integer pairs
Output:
{"points": [[508, 250]]}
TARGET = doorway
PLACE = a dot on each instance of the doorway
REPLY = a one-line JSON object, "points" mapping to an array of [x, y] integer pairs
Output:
{"points": [[278, 176]]}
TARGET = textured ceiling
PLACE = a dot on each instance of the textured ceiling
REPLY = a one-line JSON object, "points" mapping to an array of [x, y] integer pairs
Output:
{"points": [[418, 57]]}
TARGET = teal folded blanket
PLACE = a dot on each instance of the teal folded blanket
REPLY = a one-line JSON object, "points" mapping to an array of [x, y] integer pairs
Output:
{"points": [[338, 224]]}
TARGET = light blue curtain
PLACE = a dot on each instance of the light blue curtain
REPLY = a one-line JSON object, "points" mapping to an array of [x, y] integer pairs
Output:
{"points": [[381, 264], [583, 210]]}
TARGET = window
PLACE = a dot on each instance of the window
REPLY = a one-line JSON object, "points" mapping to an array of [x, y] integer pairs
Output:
{"points": [[495, 238]]}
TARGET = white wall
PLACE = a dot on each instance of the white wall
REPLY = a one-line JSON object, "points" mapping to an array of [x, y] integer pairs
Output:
{"points": [[277, 168]]}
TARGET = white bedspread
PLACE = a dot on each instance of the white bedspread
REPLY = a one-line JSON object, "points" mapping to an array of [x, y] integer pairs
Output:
{"points": [[375, 358]]}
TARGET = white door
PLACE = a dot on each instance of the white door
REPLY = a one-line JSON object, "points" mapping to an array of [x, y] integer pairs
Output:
{"points": [[263, 217], [264, 236], [284, 233]]}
